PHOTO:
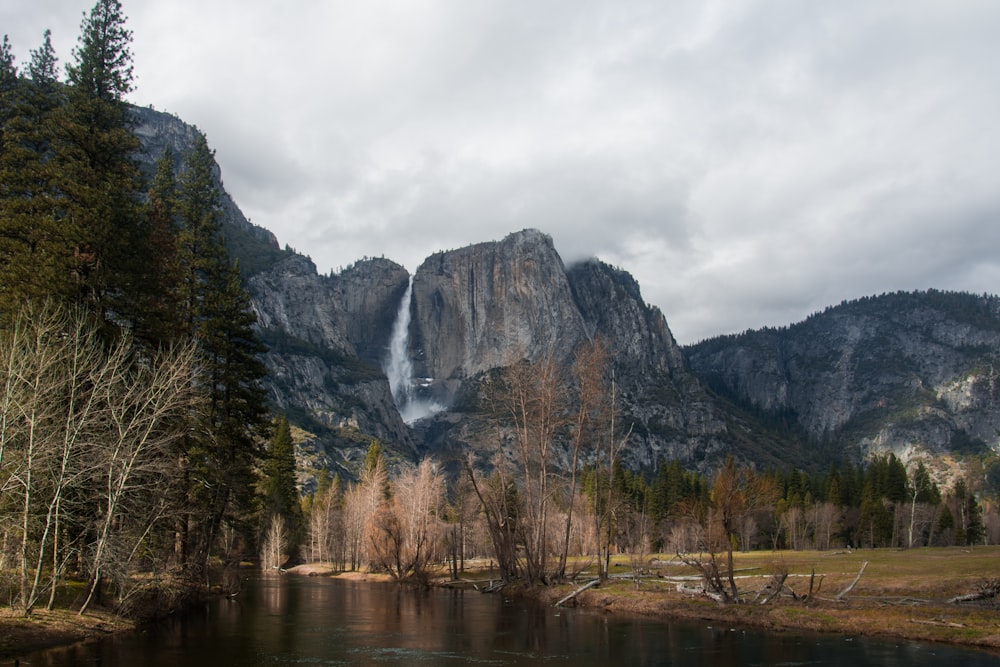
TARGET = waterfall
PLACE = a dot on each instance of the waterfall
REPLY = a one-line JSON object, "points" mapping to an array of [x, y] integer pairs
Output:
{"points": [[399, 368]]}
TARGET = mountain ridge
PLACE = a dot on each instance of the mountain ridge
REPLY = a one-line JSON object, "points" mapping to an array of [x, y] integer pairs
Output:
{"points": [[852, 380]]}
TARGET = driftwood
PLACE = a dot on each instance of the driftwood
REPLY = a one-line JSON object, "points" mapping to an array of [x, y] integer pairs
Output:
{"points": [[947, 624], [842, 594], [904, 602], [494, 586], [987, 591], [772, 588], [715, 587], [699, 590], [581, 589]]}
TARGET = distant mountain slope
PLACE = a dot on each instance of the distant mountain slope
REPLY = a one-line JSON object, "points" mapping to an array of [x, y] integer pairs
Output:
{"points": [[903, 372]]}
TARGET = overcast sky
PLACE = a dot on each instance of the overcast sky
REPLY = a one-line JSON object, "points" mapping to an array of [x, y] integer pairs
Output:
{"points": [[749, 162]]}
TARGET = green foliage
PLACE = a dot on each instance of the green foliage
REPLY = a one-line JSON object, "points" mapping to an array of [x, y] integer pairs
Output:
{"points": [[42, 68], [925, 488], [216, 309], [98, 180], [163, 307], [278, 484], [374, 458], [8, 70], [36, 257], [671, 487], [102, 68]]}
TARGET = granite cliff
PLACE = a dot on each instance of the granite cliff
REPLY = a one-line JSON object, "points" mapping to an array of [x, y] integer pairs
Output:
{"points": [[911, 373]]}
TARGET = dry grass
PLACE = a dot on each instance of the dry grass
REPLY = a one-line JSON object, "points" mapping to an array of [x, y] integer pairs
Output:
{"points": [[902, 594]]}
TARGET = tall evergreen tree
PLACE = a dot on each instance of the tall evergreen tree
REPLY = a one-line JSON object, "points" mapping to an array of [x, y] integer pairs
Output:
{"points": [[875, 524], [217, 309], [162, 306], [8, 70], [278, 484], [102, 68], [42, 67], [35, 252], [100, 181]]}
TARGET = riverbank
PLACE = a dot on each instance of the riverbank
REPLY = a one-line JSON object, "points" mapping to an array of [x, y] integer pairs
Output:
{"points": [[63, 626], [59, 627], [901, 594]]}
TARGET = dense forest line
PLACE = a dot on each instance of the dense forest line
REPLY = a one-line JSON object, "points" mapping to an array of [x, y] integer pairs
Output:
{"points": [[554, 499], [135, 438]]}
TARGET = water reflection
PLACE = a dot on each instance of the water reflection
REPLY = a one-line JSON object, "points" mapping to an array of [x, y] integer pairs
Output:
{"points": [[292, 621]]}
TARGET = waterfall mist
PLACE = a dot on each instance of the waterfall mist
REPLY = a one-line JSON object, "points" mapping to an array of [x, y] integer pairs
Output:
{"points": [[399, 369]]}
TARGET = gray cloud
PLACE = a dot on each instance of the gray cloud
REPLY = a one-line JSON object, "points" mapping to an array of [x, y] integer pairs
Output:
{"points": [[749, 162]]}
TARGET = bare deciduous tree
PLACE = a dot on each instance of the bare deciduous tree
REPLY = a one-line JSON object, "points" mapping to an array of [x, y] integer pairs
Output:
{"points": [[498, 498], [589, 369], [83, 416], [407, 528], [737, 492], [274, 548], [326, 535], [145, 401]]}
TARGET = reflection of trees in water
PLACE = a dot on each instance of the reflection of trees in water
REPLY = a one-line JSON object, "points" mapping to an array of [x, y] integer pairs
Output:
{"points": [[293, 620]]}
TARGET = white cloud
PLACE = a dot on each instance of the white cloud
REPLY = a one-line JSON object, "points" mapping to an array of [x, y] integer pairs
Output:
{"points": [[748, 161]]}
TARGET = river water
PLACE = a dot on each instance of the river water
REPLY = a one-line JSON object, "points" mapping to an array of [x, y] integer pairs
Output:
{"points": [[317, 621]]}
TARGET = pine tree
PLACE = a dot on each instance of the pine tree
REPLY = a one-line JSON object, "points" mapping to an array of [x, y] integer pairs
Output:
{"points": [[217, 309], [278, 485], [8, 70], [895, 480], [35, 252], [103, 59], [374, 457], [99, 179], [42, 67], [875, 523], [163, 319], [946, 526]]}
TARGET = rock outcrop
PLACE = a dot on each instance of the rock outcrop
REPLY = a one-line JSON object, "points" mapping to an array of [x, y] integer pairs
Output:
{"points": [[491, 305]]}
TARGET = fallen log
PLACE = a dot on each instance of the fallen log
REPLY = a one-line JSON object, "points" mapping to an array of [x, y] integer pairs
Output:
{"points": [[987, 591], [494, 587], [947, 624], [572, 595]]}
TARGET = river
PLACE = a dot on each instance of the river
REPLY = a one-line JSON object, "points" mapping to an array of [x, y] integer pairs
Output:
{"points": [[318, 621]]}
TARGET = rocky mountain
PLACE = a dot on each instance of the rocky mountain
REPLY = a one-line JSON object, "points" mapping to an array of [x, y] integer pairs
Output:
{"points": [[471, 310], [493, 304], [912, 373], [906, 372]]}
